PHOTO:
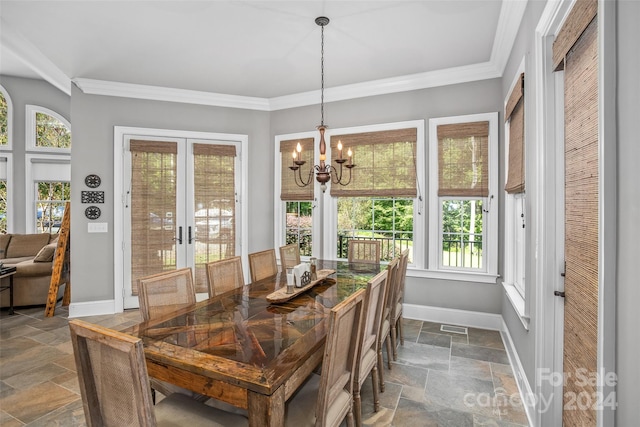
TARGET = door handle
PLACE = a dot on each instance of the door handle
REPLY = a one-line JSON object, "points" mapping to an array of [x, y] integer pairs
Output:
{"points": [[179, 238], [559, 294], [190, 237]]}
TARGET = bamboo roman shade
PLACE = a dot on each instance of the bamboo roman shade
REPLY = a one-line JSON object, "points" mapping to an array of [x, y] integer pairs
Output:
{"points": [[463, 159], [581, 15], [385, 163], [514, 112], [289, 190], [153, 204]]}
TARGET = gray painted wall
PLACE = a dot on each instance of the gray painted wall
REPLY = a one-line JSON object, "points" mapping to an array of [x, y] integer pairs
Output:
{"points": [[454, 100], [23, 92], [523, 47], [628, 287], [94, 118]]}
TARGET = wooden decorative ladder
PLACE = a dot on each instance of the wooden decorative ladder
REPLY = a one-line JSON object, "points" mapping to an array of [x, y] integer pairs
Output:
{"points": [[61, 273]]}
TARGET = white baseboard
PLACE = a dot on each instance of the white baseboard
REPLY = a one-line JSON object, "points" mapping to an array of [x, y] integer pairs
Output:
{"points": [[92, 308], [474, 319], [529, 398]]}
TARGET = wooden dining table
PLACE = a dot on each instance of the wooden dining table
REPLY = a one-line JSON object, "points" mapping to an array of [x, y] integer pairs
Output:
{"points": [[240, 349]]}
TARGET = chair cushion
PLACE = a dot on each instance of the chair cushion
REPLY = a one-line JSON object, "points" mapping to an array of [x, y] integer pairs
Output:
{"points": [[179, 410], [369, 360]]}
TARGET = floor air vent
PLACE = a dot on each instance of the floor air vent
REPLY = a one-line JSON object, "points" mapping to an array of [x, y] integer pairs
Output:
{"points": [[453, 329]]}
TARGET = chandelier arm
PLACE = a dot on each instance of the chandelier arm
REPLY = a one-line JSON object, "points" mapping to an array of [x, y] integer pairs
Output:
{"points": [[338, 180], [302, 183]]}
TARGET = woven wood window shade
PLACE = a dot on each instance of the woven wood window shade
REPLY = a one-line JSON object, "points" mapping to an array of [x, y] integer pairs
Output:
{"points": [[581, 216], [463, 159], [214, 178], [289, 190], [579, 18], [514, 112], [153, 195], [385, 163]]}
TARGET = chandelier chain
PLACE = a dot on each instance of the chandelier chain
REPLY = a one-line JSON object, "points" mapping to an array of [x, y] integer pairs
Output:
{"points": [[322, 75]]}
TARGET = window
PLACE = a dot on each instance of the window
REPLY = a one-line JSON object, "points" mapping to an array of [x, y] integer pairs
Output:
{"points": [[50, 202], [383, 201], [47, 130], [295, 203], [515, 197], [49, 177], [463, 177]]}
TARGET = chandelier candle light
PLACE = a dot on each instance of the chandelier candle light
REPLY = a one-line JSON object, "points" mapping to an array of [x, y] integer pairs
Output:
{"points": [[324, 172]]}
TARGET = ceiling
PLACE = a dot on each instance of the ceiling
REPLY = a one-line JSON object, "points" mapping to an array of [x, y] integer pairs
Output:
{"points": [[262, 49]]}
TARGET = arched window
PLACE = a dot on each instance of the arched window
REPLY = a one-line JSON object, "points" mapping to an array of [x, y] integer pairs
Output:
{"points": [[47, 130]]}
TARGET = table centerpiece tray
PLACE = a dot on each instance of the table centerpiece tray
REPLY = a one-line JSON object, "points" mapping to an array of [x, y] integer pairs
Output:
{"points": [[281, 294]]}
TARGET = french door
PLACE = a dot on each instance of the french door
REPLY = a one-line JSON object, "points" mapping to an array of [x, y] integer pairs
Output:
{"points": [[181, 207]]}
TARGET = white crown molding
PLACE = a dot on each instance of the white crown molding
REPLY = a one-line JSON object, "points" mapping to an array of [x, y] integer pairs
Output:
{"points": [[511, 14], [33, 58], [407, 83], [158, 93]]}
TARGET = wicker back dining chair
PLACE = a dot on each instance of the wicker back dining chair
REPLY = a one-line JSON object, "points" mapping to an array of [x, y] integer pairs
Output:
{"points": [[327, 399], [367, 360], [396, 306], [114, 384], [289, 256], [165, 292], [263, 264], [224, 275], [384, 337], [364, 251]]}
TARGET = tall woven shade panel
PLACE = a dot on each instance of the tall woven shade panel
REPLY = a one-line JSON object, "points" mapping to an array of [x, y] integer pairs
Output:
{"points": [[576, 49], [153, 202], [214, 190]]}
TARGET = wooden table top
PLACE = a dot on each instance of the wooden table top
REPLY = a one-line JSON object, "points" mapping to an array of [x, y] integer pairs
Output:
{"points": [[240, 338]]}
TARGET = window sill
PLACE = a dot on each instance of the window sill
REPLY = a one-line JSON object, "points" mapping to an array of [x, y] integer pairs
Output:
{"points": [[453, 275], [518, 303]]}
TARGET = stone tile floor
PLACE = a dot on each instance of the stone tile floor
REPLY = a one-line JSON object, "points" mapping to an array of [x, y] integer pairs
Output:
{"points": [[439, 378]]}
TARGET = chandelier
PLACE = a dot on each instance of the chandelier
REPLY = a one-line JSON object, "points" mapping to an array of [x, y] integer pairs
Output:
{"points": [[324, 172]]}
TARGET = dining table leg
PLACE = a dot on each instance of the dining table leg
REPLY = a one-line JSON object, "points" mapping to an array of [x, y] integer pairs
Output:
{"points": [[266, 410]]}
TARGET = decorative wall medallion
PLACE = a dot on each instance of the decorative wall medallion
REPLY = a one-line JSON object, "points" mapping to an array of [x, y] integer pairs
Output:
{"points": [[92, 181], [92, 196], [92, 212]]}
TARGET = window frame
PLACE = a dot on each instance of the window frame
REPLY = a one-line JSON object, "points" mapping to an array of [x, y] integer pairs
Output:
{"points": [[514, 253], [280, 206], [489, 273], [39, 168], [330, 204], [30, 129]]}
